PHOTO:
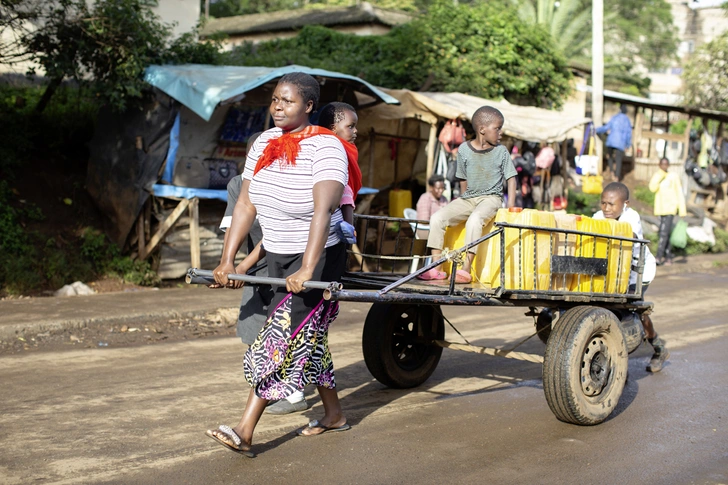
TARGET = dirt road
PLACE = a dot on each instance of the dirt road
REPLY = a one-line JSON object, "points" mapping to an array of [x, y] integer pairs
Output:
{"points": [[138, 414]]}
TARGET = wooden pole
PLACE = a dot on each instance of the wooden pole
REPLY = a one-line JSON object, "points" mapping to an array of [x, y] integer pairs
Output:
{"points": [[194, 211], [370, 175], [598, 71], [431, 143]]}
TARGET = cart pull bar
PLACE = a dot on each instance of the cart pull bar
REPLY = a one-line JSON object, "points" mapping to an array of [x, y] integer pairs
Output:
{"points": [[196, 276], [490, 351]]}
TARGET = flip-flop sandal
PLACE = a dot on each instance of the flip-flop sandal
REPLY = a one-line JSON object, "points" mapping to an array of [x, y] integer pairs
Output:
{"points": [[462, 276], [433, 274], [326, 429], [228, 432]]}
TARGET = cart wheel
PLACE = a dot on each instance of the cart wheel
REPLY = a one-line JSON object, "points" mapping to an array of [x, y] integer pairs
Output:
{"points": [[543, 324], [585, 365], [397, 343]]}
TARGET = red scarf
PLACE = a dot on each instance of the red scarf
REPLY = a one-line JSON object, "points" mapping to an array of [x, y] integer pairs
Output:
{"points": [[285, 148]]}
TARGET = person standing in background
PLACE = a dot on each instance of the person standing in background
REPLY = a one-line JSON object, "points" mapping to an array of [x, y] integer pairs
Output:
{"points": [[669, 201], [619, 138]]}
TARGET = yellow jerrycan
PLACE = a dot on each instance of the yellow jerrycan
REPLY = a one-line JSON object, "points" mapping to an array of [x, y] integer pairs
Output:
{"points": [[591, 247], [620, 258], [399, 200], [527, 256], [564, 245]]}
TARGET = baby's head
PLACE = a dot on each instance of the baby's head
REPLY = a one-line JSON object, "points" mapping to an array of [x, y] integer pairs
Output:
{"points": [[615, 200], [488, 123], [340, 118]]}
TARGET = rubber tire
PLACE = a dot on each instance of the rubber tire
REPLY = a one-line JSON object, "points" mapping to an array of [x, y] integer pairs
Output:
{"points": [[575, 331], [382, 343]]}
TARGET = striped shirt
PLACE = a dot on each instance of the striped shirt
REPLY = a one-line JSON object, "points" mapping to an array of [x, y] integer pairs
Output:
{"points": [[484, 170], [283, 194]]}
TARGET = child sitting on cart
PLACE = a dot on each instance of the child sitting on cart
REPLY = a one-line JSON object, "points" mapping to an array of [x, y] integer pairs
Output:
{"points": [[615, 205], [483, 165]]}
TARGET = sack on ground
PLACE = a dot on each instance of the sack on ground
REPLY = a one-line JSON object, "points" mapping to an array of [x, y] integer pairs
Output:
{"points": [[679, 236]]}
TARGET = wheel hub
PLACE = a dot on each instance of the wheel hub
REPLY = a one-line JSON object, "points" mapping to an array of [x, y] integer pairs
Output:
{"points": [[595, 367], [408, 351]]}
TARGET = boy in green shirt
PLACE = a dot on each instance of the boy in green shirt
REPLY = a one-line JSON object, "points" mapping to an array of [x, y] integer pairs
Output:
{"points": [[483, 166]]}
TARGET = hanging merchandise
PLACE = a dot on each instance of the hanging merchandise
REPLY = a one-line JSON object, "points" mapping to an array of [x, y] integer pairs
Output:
{"points": [[452, 135], [441, 169], [587, 164], [591, 184]]}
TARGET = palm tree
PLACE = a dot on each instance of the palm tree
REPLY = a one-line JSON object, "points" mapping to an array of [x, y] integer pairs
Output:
{"points": [[567, 21]]}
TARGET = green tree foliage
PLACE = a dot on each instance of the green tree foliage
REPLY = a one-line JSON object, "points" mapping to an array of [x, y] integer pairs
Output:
{"points": [[106, 46], [16, 20], [643, 30], [635, 32], [568, 22], [451, 48], [706, 83]]}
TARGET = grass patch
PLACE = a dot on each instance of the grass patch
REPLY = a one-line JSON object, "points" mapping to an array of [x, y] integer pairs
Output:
{"points": [[33, 262], [645, 195]]}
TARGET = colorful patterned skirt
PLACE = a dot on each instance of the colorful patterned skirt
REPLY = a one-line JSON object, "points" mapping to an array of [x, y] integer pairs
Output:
{"points": [[292, 349]]}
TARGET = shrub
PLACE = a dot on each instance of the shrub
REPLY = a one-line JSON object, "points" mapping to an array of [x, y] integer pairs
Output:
{"points": [[584, 204]]}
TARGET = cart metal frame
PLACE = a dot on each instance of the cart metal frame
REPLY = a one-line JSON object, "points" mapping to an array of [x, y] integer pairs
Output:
{"points": [[587, 346]]}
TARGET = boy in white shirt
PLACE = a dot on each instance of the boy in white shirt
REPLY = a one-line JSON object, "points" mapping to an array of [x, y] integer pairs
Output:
{"points": [[615, 205]]}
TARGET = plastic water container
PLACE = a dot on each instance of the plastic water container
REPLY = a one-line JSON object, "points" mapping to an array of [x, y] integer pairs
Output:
{"points": [[564, 245], [620, 258], [454, 239], [527, 256], [591, 247], [399, 200]]}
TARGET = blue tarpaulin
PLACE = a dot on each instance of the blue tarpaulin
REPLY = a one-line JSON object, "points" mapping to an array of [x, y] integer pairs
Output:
{"points": [[202, 88]]}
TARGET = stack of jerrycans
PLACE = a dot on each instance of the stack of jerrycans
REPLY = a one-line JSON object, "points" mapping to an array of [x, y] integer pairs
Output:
{"points": [[617, 253], [527, 257], [528, 253]]}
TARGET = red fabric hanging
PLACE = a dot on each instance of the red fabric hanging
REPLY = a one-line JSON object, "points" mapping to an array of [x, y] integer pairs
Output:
{"points": [[285, 148]]}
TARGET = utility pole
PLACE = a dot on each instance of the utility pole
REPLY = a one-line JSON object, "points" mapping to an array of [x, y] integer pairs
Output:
{"points": [[598, 71], [207, 9]]}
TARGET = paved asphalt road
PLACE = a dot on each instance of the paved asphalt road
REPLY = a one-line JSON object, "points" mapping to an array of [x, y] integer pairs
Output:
{"points": [[137, 415]]}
